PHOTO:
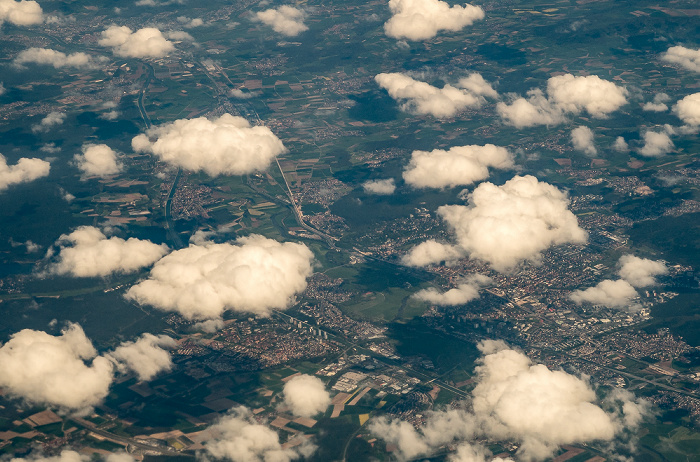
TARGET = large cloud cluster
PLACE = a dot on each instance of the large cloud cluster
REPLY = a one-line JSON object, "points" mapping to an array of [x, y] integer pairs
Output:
{"points": [[504, 225], [565, 94], [685, 57], [68, 455], [148, 42], [306, 395], [227, 145], [423, 19], [57, 59], [688, 109], [200, 282], [286, 20], [422, 98], [21, 13], [65, 370], [87, 252], [515, 400], [621, 293], [239, 438], [460, 165], [98, 160], [467, 290], [23, 171]]}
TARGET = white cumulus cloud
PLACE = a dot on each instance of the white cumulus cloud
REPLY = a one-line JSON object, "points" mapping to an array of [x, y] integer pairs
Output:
{"points": [[200, 282], [51, 120], [148, 42], [422, 98], [21, 13], [640, 272], [98, 160], [688, 109], [87, 252], [24, 171], [431, 252], [658, 104], [423, 19], [380, 187], [685, 57], [613, 294], [466, 291], [515, 400], [147, 356], [306, 395], [656, 144], [227, 145], [285, 20], [239, 438], [582, 139], [504, 225], [460, 165], [66, 371], [43, 369], [565, 94], [620, 145], [57, 59]]}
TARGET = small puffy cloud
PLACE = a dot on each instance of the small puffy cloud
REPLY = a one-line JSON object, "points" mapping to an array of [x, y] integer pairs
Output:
{"points": [[431, 252], [381, 187], [422, 98], [613, 294], [582, 139], [306, 395], [146, 356], [239, 93], [190, 22], [227, 145], [535, 110], [517, 401], [57, 59], [423, 19], [51, 120], [179, 35], [2, 89], [98, 160], [685, 57], [656, 144], [504, 225], [148, 42], [460, 165], [658, 104], [87, 252], [65, 370], [21, 13], [620, 145], [688, 109], [565, 94], [286, 20], [466, 291], [640, 272], [24, 171], [43, 369], [255, 275], [477, 85], [239, 438]]}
